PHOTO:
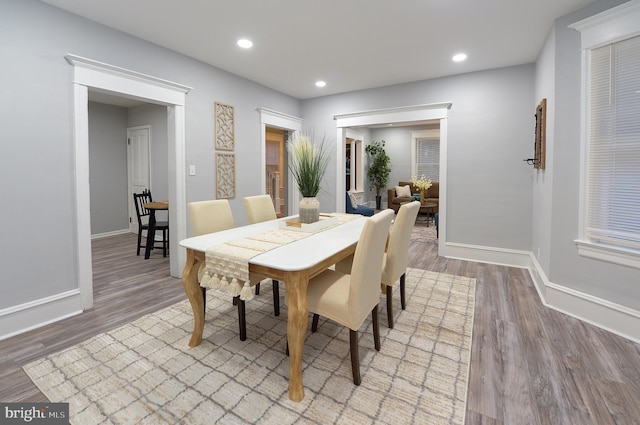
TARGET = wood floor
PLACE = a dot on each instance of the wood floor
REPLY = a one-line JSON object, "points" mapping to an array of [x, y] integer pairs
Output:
{"points": [[529, 364]]}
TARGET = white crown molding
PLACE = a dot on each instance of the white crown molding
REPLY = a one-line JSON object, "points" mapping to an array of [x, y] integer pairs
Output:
{"points": [[80, 62], [426, 112], [609, 26]]}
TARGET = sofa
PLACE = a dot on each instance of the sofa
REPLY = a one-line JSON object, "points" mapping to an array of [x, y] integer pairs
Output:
{"points": [[432, 196]]}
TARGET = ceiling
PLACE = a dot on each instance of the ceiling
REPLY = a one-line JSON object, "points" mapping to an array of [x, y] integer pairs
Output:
{"points": [[352, 44]]}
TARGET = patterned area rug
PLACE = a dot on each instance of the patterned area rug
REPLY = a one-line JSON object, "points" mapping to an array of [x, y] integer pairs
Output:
{"points": [[145, 373], [423, 231]]}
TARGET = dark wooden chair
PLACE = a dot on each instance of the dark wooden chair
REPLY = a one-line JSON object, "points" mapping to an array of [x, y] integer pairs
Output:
{"points": [[139, 200]]}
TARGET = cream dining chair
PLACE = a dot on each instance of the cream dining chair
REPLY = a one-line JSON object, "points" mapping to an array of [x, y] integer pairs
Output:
{"points": [[349, 298], [260, 208], [396, 256], [214, 216]]}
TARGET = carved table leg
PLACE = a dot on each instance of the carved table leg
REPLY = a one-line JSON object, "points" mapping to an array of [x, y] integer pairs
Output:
{"points": [[194, 294]]}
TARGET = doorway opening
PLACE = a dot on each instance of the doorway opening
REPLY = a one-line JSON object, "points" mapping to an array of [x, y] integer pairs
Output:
{"points": [[276, 160], [133, 85]]}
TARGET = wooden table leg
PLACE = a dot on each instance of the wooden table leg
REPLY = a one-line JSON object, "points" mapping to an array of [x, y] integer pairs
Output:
{"points": [[296, 284], [151, 234], [194, 294]]}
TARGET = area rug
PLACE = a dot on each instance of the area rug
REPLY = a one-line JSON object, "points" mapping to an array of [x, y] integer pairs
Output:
{"points": [[424, 231], [145, 373]]}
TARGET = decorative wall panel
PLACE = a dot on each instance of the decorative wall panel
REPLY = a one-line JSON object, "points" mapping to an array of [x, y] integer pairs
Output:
{"points": [[225, 133], [225, 175]]}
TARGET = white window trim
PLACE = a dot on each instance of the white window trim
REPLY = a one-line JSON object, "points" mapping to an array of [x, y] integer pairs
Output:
{"points": [[433, 134], [610, 26]]}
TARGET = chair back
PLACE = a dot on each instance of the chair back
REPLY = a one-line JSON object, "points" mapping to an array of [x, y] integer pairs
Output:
{"points": [[399, 241], [366, 270], [210, 216], [259, 208], [139, 199]]}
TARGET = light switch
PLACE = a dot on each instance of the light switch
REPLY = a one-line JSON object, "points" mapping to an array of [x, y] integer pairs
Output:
{"points": [[192, 170]]}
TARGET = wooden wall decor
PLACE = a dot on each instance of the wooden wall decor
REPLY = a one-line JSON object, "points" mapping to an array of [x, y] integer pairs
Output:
{"points": [[225, 133], [225, 175], [541, 129]]}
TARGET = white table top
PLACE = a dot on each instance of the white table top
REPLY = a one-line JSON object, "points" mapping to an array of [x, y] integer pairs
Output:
{"points": [[298, 255]]}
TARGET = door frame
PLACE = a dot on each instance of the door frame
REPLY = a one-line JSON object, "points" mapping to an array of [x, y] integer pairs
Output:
{"points": [[88, 73], [399, 115], [271, 118]]}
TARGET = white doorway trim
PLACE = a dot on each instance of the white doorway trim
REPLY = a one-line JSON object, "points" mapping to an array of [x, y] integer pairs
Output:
{"points": [[276, 119], [104, 77], [400, 115]]}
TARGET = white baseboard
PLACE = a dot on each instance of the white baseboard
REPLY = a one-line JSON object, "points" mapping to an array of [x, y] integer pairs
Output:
{"points": [[34, 314], [107, 234], [599, 312]]}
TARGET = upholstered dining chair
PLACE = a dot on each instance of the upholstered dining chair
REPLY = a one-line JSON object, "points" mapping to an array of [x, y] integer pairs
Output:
{"points": [[349, 298], [396, 257], [260, 208], [214, 216]]}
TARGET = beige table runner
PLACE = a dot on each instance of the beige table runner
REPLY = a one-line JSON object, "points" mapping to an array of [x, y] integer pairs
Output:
{"points": [[226, 266]]}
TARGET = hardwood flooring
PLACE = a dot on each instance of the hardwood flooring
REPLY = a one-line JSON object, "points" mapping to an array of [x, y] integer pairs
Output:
{"points": [[529, 364]]}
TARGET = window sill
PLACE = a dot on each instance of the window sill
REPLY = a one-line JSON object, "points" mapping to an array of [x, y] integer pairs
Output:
{"points": [[610, 254]]}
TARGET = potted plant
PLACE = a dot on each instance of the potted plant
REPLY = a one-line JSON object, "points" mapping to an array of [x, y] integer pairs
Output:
{"points": [[379, 169], [308, 161]]}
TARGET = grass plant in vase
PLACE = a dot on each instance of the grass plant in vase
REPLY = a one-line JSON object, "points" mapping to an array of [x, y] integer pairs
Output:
{"points": [[308, 161]]}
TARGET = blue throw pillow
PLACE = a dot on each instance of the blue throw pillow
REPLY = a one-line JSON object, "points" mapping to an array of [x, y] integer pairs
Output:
{"points": [[415, 197]]}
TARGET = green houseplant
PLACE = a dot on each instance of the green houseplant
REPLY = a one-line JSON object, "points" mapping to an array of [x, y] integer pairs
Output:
{"points": [[379, 168], [308, 161]]}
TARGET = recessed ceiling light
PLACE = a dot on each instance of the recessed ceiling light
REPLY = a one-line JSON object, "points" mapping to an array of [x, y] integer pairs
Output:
{"points": [[459, 57], [320, 83], [245, 43]]}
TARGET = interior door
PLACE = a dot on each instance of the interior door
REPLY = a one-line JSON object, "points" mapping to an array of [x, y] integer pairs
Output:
{"points": [[275, 168], [138, 154]]}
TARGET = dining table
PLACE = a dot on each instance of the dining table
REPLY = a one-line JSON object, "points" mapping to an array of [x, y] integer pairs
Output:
{"points": [[151, 231], [294, 263]]}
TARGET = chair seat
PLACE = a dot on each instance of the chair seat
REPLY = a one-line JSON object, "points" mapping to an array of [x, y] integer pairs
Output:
{"points": [[160, 225], [328, 295]]}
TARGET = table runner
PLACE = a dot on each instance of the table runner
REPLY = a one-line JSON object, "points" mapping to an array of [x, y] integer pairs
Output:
{"points": [[226, 265]]}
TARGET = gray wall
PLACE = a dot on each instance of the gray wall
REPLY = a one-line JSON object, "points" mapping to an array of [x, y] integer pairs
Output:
{"points": [[37, 132], [108, 172], [557, 189], [108, 168], [398, 147], [156, 117], [490, 193], [489, 133]]}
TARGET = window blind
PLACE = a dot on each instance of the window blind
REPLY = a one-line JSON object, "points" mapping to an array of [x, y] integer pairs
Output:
{"points": [[428, 159], [613, 215]]}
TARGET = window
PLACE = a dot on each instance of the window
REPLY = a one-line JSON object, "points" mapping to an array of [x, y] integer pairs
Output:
{"points": [[610, 216], [613, 168], [428, 159], [425, 154]]}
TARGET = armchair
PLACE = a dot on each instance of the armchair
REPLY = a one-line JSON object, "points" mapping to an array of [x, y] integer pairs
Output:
{"points": [[357, 209]]}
